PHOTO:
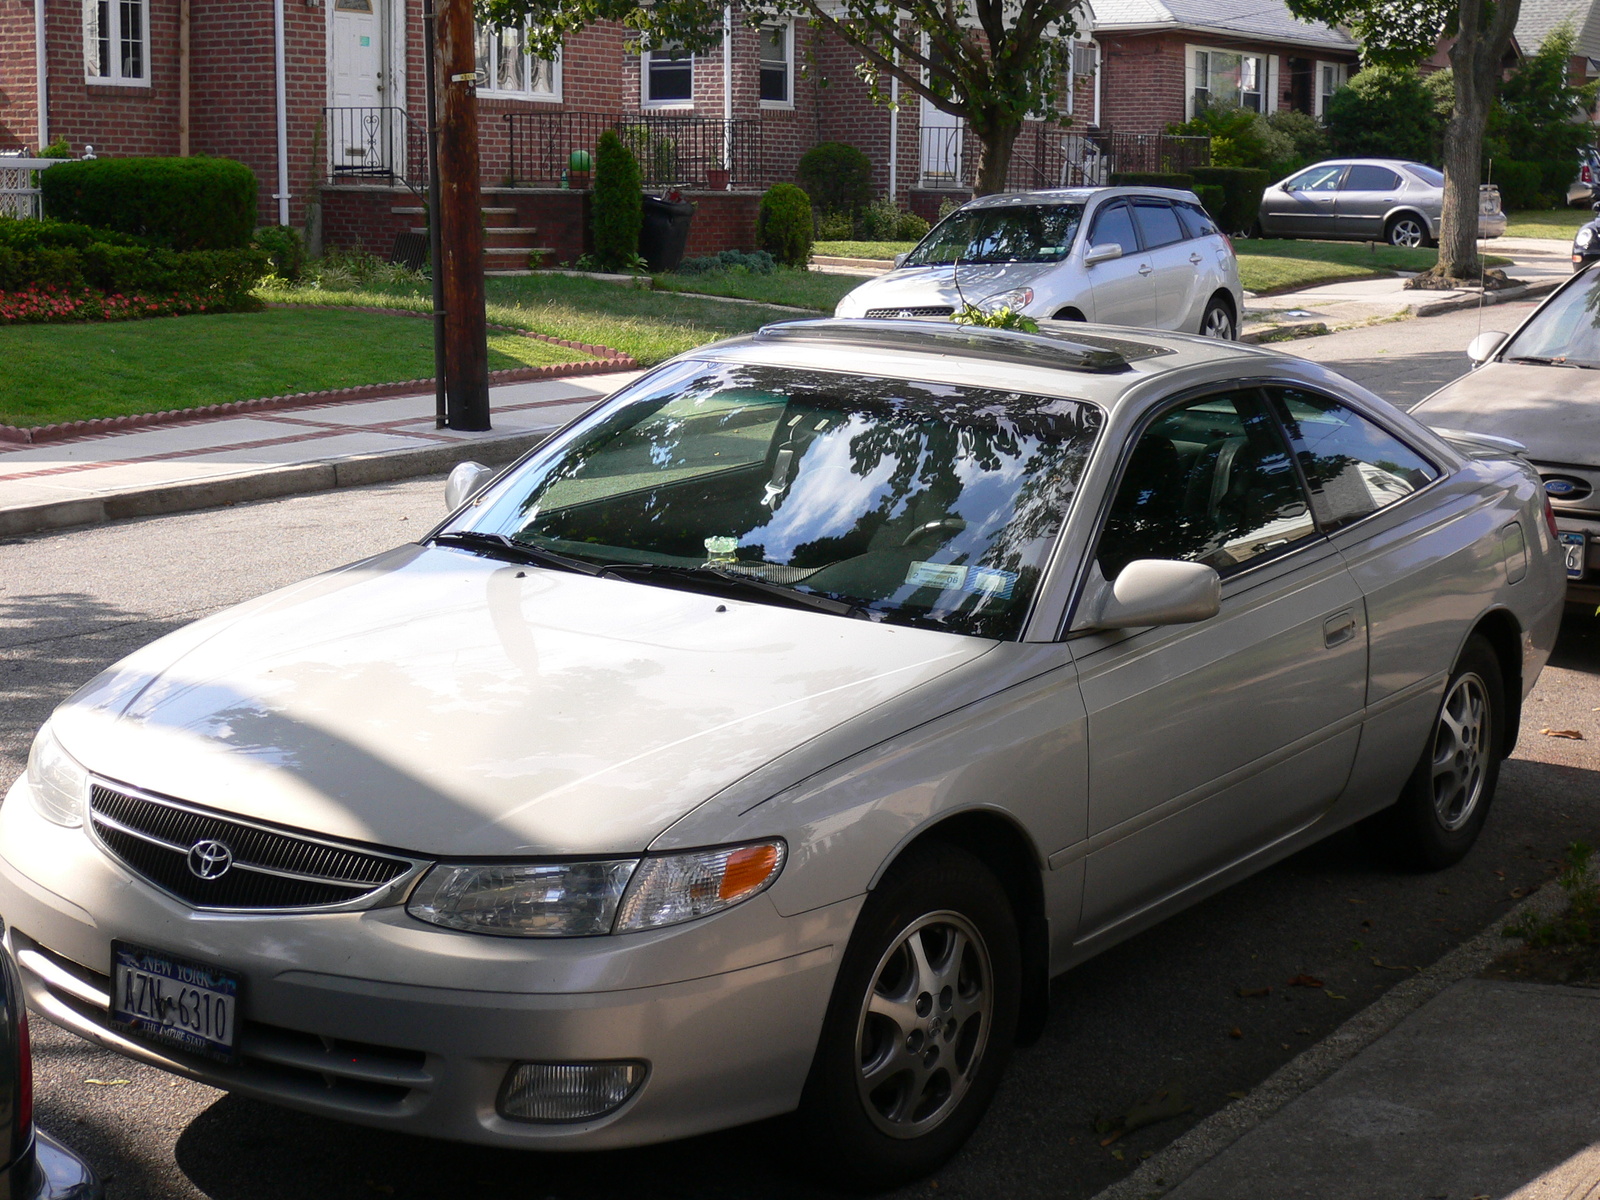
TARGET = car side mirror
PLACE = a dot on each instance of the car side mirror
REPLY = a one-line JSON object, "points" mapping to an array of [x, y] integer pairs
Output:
{"points": [[900, 259], [1158, 591], [1287, 187], [465, 482], [1104, 252], [1481, 348]]}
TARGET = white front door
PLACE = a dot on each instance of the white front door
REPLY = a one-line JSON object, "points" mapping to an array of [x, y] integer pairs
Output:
{"points": [[361, 128], [941, 147]]}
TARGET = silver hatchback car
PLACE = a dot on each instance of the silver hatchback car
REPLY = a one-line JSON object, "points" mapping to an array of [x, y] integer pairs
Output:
{"points": [[767, 739], [1368, 199]]}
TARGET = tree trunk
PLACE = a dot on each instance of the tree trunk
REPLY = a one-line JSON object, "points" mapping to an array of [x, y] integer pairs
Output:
{"points": [[1485, 34], [996, 142]]}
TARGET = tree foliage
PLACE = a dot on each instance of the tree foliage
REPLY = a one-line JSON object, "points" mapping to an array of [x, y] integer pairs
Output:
{"points": [[1539, 118], [1385, 112]]}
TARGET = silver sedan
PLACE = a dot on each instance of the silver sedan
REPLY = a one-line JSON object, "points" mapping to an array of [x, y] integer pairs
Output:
{"points": [[1368, 199], [770, 737]]}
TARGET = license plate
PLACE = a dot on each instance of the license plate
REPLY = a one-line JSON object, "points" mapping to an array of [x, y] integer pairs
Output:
{"points": [[1574, 544], [177, 1002]]}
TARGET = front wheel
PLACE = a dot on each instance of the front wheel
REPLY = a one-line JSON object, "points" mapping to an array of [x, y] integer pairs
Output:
{"points": [[1446, 801], [919, 1026], [1407, 230], [1217, 322]]}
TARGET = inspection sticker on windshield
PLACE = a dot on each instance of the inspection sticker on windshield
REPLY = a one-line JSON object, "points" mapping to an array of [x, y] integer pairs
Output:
{"points": [[991, 581], [936, 575]]}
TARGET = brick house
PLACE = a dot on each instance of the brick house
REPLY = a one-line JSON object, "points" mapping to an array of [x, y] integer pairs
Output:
{"points": [[324, 100]]}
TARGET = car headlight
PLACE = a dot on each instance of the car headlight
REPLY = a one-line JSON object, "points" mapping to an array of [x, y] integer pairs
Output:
{"points": [[1016, 299], [1585, 236], [56, 782], [523, 899], [671, 888]]}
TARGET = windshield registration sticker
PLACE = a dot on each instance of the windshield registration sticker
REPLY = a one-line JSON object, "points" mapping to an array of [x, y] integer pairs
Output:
{"points": [[937, 575], [992, 582]]}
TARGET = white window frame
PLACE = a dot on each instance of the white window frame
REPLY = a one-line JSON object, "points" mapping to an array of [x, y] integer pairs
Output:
{"points": [[645, 100], [788, 63], [490, 65], [1193, 75], [1341, 77], [113, 75]]}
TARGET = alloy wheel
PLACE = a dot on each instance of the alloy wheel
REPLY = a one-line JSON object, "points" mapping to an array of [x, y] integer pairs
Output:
{"points": [[1460, 756], [924, 1024], [1217, 324], [1408, 232]]}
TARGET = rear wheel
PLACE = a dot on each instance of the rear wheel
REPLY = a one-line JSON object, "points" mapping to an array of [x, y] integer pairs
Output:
{"points": [[1217, 321], [921, 1022], [1407, 230], [1446, 801]]}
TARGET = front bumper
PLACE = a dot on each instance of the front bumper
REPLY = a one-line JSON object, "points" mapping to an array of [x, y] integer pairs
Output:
{"points": [[377, 1018]]}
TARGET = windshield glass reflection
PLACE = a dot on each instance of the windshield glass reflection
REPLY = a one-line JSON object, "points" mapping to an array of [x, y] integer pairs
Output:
{"points": [[1566, 332], [1030, 233]]}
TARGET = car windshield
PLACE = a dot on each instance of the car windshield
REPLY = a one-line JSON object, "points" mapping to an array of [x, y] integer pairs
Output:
{"points": [[1566, 332], [1427, 174], [911, 503], [1032, 233]]}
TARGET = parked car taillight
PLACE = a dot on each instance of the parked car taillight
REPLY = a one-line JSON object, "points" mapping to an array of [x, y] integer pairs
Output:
{"points": [[1587, 175], [1550, 517]]}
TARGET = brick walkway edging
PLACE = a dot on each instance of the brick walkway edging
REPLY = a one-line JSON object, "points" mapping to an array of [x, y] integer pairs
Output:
{"points": [[606, 359]]}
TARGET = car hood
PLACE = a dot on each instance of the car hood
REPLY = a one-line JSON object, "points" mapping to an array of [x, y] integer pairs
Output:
{"points": [[442, 703], [1553, 411], [915, 287]]}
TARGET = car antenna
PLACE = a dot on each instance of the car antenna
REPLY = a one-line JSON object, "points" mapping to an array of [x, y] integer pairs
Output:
{"points": [[1483, 274]]}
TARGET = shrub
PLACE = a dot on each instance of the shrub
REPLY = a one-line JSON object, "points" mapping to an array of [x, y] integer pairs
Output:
{"points": [[1239, 137], [1384, 112], [23, 234], [836, 177], [1521, 183], [1212, 197], [835, 227], [183, 203], [283, 246], [783, 224], [757, 263], [1241, 195], [1166, 179], [884, 221], [618, 205], [910, 228], [1307, 138], [947, 206], [1538, 119]]}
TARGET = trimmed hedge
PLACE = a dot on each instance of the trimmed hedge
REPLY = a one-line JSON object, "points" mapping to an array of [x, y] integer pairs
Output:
{"points": [[836, 178], [1166, 179], [617, 208], [181, 203], [1241, 199], [784, 224], [1521, 183], [1211, 196]]}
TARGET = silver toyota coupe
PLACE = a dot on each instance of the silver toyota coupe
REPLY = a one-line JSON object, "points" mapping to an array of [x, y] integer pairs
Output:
{"points": [[766, 740]]}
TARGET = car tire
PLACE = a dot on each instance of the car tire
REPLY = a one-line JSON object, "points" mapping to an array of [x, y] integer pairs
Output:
{"points": [[921, 1022], [1218, 321], [1446, 800], [1406, 230]]}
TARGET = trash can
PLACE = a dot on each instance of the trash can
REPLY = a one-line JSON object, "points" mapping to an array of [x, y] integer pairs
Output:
{"points": [[665, 232]]}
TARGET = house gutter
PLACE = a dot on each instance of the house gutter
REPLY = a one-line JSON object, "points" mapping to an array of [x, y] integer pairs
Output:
{"points": [[1244, 39], [727, 87], [282, 194], [894, 138], [41, 67]]}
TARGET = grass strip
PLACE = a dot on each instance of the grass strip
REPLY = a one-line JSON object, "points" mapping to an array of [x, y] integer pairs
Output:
{"points": [[1268, 265], [77, 372], [1555, 223], [882, 250], [803, 289]]}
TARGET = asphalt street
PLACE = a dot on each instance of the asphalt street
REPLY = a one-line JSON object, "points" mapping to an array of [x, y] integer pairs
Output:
{"points": [[1163, 1013]]}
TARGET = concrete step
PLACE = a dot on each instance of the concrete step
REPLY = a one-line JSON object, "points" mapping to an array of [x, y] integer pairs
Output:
{"points": [[497, 235], [408, 210], [515, 258]]}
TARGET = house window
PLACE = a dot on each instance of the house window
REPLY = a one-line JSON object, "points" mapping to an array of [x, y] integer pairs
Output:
{"points": [[777, 56], [668, 76], [116, 42], [1221, 76], [509, 70], [1330, 78]]}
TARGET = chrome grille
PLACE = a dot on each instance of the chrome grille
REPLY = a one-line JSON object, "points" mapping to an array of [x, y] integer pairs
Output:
{"points": [[916, 310], [270, 869]]}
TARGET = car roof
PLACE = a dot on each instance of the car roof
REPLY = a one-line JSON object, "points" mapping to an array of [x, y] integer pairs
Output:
{"points": [[1074, 196], [1098, 363], [1407, 163]]}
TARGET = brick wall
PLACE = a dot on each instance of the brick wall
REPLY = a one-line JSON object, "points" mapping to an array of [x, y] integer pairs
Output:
{"points": [[19, 114], [1143, 90], [115, 120], [362, 218], [722, 221]]}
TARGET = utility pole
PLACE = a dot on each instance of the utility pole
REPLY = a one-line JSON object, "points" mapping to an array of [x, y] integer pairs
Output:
{"points": [[458, 264]]}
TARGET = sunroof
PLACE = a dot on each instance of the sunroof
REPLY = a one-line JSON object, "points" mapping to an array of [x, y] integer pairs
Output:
{"points": [[1061, 347]]}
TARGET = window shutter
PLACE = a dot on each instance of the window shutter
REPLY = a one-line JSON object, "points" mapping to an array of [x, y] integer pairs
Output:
{"points": [[1190, 54], [1269, 102]]}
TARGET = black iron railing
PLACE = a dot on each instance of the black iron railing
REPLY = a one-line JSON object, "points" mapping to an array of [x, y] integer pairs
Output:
{"points": [[681, 151], [378, 144], [1046, 156]]}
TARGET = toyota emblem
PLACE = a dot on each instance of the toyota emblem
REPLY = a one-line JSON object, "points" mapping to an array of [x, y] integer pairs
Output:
{"points": [[209, 859]]}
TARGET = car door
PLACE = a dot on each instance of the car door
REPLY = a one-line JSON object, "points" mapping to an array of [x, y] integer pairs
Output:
{"points": [[1176, 264], [1365, 199], [1208, 742], [1305, 204], [1121, 288]]}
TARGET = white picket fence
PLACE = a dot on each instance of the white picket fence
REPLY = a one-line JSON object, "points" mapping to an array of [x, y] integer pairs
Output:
{"points": [[19, 190]]}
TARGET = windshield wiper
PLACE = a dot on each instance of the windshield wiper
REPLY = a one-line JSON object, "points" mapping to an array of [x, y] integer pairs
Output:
{"points": [[729, 583], [500, 546]]}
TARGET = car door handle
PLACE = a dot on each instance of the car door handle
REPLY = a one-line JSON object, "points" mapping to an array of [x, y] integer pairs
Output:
{"points": [[1196, 259], [1339, 628], [1145, 268]]}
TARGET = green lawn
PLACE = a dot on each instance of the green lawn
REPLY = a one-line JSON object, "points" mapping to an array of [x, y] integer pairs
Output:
{"points": [[884, 250], [1558, 223], [75, 372], [1283, 265], [803, 289], [648, 325]]}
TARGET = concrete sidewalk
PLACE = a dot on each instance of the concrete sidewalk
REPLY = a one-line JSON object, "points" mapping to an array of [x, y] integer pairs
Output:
{"points": [[259, 455]]}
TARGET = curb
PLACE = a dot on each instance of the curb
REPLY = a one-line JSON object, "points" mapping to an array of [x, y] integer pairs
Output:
{"points": [[295, 479], [1542, 287], [1169, 1167], [1288, 332]]}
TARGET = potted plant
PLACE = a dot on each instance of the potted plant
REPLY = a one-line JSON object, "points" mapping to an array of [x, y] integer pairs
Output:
{"points": [[717, 175]]}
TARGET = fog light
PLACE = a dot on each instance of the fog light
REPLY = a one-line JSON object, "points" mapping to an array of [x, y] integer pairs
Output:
{"points": [[567, 1091]]}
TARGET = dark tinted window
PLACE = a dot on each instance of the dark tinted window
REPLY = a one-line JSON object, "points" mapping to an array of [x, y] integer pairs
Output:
{"points": [[1371, 179], [1208, 482], [1158, 223], [1115, 224], [1354, 465], [1195, 219], [1427, 174]]}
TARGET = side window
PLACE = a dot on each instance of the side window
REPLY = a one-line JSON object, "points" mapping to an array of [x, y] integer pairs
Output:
{"points": [[1354, 466], [1371, 179], [1317, 179], [1209, 482], [1195, 219], [1158, 223], [1114, 223]]}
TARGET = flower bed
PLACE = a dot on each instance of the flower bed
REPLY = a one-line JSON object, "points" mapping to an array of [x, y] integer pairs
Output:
{"points": [[47, 302]]}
